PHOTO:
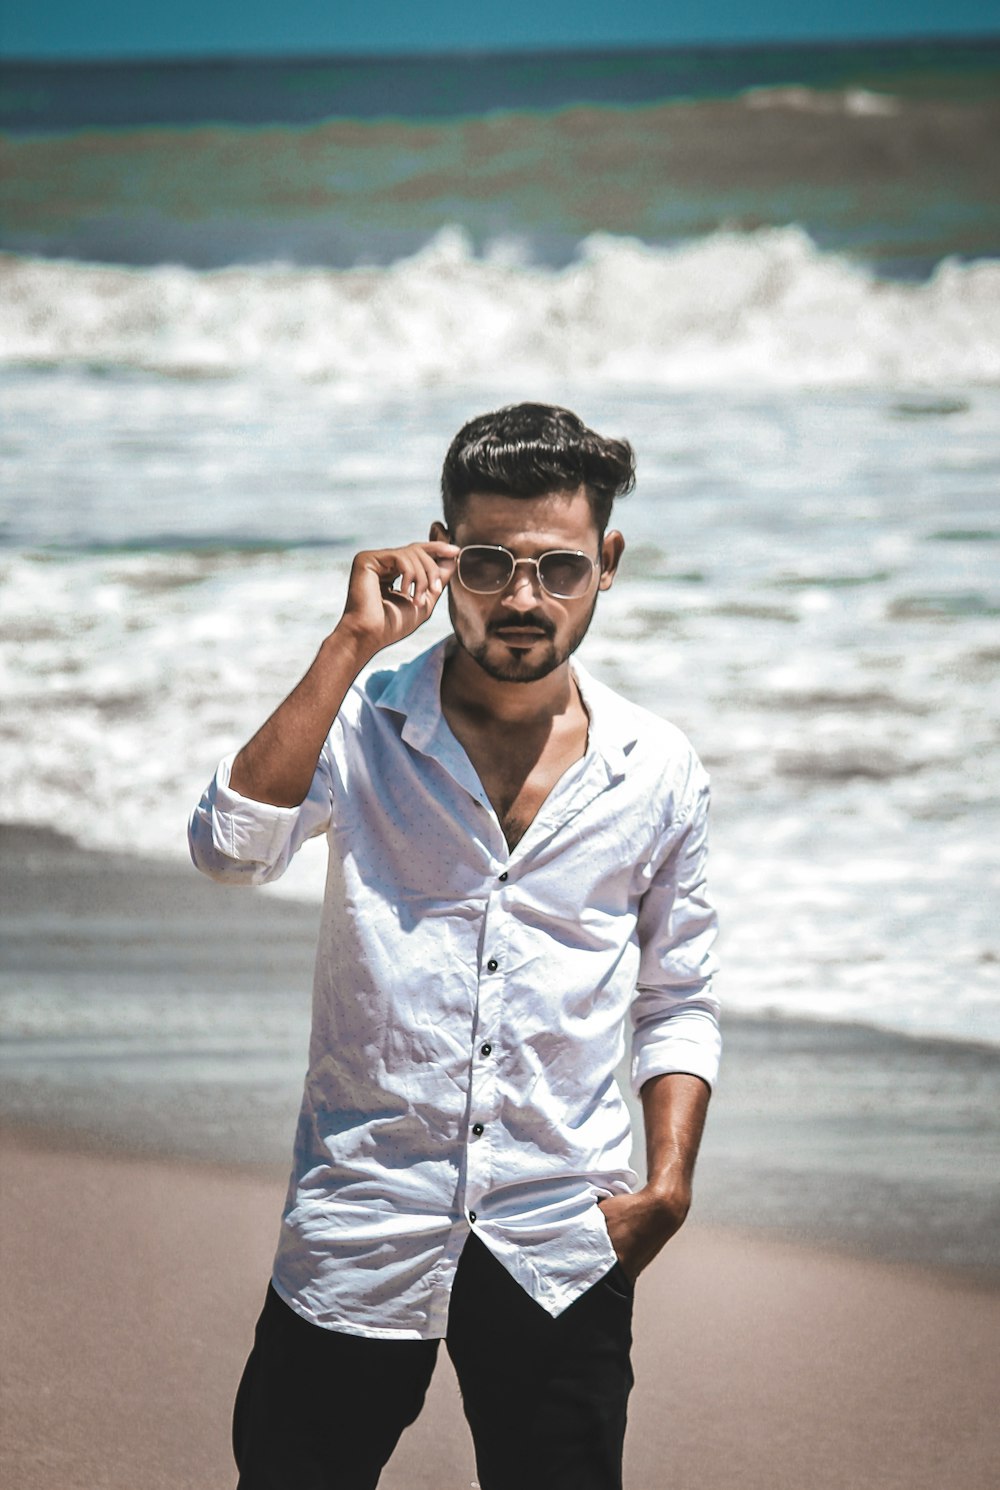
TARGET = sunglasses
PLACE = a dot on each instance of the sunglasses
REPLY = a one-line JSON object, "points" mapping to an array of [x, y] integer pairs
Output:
{"points": [[563, 573]]}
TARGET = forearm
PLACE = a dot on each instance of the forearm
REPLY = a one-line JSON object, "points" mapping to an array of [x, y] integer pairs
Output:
{"points": [[390, 593], [640, 1224], [277, 765], [674, 1108]]}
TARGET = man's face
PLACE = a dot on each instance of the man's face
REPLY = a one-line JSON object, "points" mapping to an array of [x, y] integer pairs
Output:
{"points": [[522, 633]]}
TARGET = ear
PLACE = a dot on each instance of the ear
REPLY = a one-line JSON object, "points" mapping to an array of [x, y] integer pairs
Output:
{"points": [[611, 552], [439, 533]]}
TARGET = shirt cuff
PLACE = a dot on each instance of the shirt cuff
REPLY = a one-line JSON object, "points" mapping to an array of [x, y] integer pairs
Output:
{"points": [[693, 1051], [246, 830]]}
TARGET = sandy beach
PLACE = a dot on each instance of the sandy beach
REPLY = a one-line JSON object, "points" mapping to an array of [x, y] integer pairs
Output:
{"points": [[131, 1286]]}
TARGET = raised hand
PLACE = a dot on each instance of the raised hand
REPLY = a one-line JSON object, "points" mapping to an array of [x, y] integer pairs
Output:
{"points": [[392, 591]]}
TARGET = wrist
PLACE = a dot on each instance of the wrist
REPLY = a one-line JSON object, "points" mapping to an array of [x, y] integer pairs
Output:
{"points": [[670, 1193], [350, 644]]}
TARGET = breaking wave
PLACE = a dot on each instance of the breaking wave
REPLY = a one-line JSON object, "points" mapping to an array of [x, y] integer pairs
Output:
{"points": [[734, 308]]}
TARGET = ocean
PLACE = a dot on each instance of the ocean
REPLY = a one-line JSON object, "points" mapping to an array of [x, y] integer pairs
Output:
{"points": [[246, 305]]}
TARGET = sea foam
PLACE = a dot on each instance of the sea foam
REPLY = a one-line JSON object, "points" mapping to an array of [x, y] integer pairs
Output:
{"points": [[764, 308], [809, 590]]}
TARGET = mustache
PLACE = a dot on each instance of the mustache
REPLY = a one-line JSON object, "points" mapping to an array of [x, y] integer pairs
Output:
{"points": [[534, 623]]}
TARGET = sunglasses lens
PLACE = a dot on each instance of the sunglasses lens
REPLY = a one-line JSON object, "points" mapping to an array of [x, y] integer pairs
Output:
{"points": [[565, 574], [485, 570]]}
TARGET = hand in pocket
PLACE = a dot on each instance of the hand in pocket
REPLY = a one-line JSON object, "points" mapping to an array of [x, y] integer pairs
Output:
{"points": [[640, 1225]]}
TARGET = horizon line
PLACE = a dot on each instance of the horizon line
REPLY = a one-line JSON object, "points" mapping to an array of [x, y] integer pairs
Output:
{"points": [[457, 53]]}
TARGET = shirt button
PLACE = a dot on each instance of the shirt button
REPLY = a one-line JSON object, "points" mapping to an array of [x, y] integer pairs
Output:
{"points": [[472, 1215], [486, 1049], [477, 1129], [503, 876], [492, 965]]}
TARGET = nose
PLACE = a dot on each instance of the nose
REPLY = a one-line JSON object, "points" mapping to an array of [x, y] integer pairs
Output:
{"points": [[523, 591]]}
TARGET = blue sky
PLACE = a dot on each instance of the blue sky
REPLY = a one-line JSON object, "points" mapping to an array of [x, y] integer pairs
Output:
{"points": [[109, 28]]}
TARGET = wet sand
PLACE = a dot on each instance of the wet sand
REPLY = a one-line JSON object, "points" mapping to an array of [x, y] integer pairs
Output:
{"points": [[148, 1010]]}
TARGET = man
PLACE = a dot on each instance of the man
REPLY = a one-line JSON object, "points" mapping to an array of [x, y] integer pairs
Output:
{"points": [[516, 864]]}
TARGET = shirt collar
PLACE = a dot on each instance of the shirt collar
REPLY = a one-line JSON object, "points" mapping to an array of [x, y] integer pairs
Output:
{"points": [[415, 692]]}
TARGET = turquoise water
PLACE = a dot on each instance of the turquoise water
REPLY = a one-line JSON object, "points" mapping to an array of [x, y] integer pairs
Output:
{"points": [[885, 152], [52, 96]]}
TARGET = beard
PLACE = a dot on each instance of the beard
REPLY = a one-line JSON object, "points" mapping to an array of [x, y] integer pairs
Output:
{"points": [[507, 665]]}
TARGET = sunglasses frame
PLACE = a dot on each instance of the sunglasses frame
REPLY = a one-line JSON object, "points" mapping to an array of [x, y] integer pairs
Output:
{"points": [[498, 548]]}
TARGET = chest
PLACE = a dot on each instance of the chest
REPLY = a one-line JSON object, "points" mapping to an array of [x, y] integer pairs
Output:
{"points": [[519, 768]]}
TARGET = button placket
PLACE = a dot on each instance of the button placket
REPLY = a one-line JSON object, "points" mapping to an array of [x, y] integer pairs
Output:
{"points": [[483, 1083], [478, 1148]]}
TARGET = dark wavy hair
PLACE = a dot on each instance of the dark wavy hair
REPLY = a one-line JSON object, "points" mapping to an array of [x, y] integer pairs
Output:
{"points": [[527, 450]]}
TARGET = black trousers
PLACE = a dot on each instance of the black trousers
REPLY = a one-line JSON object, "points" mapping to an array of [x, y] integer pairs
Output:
{"points": [[545, 1398]]}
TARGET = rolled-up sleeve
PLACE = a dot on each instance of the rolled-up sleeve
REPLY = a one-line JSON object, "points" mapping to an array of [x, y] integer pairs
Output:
{"points": [[237, 841], [675, 1015]]}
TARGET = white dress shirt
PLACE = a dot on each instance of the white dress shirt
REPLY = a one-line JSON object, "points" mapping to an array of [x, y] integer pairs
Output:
{"points": [[470, 999]]}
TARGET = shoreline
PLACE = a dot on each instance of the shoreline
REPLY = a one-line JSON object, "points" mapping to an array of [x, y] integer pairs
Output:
{"points": [[79, 1146], [131, 1286], [148, 1011]]}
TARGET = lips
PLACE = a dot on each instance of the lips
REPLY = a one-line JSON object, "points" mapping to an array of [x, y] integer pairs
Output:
{"points": [[522, 632], [519, 636]]}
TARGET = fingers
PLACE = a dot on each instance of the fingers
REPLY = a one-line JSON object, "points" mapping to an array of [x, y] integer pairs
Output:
{"points": [[392, 591], [422, 572], [418, 572]]}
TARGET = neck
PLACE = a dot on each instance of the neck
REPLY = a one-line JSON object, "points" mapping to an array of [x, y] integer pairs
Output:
{"points": [[468, 687]]}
